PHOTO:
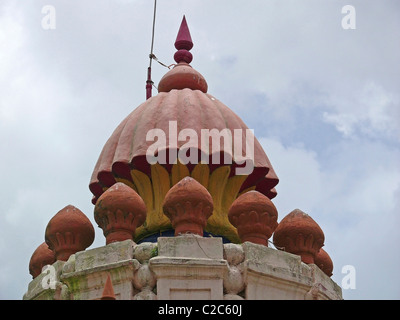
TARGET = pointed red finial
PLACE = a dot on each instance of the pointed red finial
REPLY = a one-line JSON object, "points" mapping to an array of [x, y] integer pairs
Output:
{"points": [[184, 40], [108, 291], [183, 76], [183, 44]]}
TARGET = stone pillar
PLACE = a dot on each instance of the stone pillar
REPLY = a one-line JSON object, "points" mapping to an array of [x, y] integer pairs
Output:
{"points": [[189, 267], [144, 279], [233, 280], [277, 275]]}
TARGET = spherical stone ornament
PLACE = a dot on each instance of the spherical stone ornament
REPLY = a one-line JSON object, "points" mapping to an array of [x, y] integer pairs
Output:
{"points": [[233, 281], [183, 56], [324, 262], [255, 217], [299, 234], [119, 211], [145, 294], [41, 257], [233, 253], [144, 278], [188, 205], [144, 252], [229, 296], [68, 232]]}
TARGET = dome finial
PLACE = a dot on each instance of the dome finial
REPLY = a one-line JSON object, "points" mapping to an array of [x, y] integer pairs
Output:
{"points": [[184, 40], [183, 44], [183, 75]]}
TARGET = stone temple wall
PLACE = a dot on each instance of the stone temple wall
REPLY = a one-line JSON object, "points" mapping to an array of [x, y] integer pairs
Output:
{"points": [[186, 267]]}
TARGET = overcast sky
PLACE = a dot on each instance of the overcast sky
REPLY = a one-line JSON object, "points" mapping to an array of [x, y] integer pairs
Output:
{"points": [[323, 100]]}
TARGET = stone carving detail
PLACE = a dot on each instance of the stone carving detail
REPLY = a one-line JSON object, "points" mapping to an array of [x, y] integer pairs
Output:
{"points": [[144, 279]]}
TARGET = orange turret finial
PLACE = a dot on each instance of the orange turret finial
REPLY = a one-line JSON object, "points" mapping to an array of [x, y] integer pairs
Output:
{"points": [[255, 217], [41, 257], [188, 205], [324, 262], [119, 211], [68, 232], [299, 234], [108, 291]]}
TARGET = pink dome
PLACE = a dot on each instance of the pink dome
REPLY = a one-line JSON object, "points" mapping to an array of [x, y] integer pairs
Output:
{"points": [[126, 148]]}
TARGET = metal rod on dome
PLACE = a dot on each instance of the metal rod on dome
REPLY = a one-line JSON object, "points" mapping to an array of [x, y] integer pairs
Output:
{"points": [[149, 82]]}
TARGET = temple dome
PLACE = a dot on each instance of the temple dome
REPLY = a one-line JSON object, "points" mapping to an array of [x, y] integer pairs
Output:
{"points": [[183, 103], [126, 148]]}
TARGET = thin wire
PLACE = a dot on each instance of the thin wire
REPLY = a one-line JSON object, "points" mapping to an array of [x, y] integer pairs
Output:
{"points": [[153, 56], [152, 34]]}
